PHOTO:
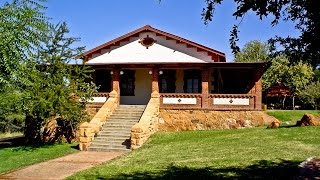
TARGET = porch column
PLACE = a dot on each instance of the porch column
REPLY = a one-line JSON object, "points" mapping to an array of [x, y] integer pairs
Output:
{"points": [[155, 79], [116, 80], [258, 92], [205, 87]]}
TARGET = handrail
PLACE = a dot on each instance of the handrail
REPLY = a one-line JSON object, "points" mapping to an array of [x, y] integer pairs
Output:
{"points": [[231, 95], [101, 94], [181, 95]]}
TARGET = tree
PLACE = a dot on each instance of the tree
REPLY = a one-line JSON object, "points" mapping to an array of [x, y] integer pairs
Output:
{"points": [[295, 76], [311, 94], [304, 13], [317, 74], [54, 86], [11, 114], [253, 51], [22, 28]]}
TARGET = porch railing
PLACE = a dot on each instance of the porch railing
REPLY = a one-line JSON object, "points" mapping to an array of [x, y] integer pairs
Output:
{"points": [[214, 101], [231, 101], [180, 100]]}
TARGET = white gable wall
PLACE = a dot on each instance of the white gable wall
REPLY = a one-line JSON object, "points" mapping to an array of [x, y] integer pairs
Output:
{"points": [[163, 51]]}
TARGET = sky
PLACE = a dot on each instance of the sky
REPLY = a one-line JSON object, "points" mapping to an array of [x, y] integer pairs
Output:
{"points": [[99, 21]]}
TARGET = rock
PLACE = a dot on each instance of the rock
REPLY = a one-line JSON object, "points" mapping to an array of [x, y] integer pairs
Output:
{"points": [[247, 123], [309, 120], [232, 123], [161, 121], [309, 169], [274, 124]]}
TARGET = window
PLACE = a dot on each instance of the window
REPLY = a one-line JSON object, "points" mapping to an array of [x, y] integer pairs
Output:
{"points": [[103, 80], [167, 81], [127, 80], [192, 81]]}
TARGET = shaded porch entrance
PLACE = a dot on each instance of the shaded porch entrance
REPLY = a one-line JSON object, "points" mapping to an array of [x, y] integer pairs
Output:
{"points": [[135, 86]]}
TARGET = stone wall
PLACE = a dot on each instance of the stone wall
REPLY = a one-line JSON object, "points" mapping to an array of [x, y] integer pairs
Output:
{"points": [[89, 130], [148, 123], [176, 120], [92, 109]]}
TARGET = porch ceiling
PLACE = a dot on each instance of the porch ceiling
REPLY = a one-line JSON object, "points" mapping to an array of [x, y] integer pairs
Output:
{"points": [[224, 65]]}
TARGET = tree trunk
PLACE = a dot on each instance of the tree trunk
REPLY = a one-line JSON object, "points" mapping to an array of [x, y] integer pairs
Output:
{"points": [[31, 131]]}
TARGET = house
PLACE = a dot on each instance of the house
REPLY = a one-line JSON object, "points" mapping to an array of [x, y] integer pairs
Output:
{"points": [[183, 85]]}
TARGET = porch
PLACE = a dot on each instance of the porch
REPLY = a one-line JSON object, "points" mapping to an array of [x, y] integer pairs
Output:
{"points": [[214, 86]]}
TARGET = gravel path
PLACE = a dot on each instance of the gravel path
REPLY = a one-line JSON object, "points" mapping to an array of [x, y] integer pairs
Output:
{"points": [[62, 167]]}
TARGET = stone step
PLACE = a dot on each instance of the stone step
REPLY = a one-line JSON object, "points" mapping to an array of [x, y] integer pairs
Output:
{"points": [[125, 116], [112, 141], [121, 118], [106, 139], [107, 128], [130, 109], [125, 120], [127, 112], [109, 146], [120, 122], [99, 149], [114, 134], [118, 130], [118, 125]]}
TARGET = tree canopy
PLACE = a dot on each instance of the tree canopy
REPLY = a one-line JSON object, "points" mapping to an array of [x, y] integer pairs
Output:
{"points": [[39, 89], [304, 13], [253, 51], [23, 26]]}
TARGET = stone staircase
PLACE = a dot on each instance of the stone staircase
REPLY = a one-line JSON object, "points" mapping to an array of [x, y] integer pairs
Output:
{"points": [[115, 133]]}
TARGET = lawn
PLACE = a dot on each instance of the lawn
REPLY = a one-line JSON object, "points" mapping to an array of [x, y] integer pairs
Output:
{"points": [[12, 158], [291, 115], [256, 153]]}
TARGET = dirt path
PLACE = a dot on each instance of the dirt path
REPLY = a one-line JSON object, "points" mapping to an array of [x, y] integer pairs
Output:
{"points": [[62, 167]]}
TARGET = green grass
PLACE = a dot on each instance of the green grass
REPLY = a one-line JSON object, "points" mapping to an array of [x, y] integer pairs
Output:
{"points": [[12, 158], [256, 153], [291, 115]]}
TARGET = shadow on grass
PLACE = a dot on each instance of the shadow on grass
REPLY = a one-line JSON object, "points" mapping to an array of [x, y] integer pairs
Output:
{"points": [[12, 142], [289, 126], [18, 144], [261, 170]]}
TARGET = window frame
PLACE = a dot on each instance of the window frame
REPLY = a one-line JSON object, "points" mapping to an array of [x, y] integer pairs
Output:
{"points": [[169, 76], [193, 75], [129, 87]]}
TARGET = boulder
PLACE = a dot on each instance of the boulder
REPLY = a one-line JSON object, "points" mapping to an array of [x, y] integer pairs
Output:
{"points": [[309, 169], [309, 120], [274, 124]]}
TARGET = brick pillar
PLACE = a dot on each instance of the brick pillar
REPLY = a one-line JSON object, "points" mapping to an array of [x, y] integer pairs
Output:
{"points": [[155, 79], [116, 80], [258, 92], [205, 87]]}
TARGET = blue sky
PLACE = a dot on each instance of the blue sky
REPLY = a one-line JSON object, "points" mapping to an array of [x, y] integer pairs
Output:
{"points": [[99, 21]]}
